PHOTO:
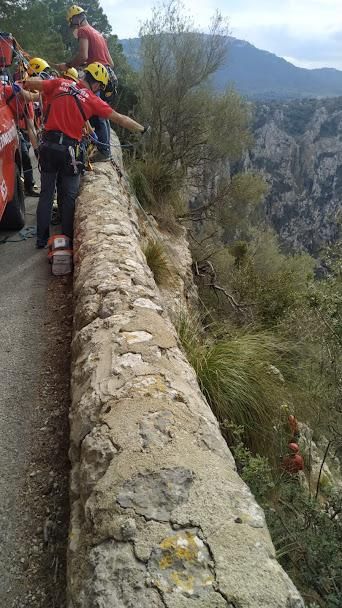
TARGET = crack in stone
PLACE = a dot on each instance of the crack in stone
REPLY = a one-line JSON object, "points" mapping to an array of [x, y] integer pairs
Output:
{"points": [[230, 604], [160, 593], [216, 586]]}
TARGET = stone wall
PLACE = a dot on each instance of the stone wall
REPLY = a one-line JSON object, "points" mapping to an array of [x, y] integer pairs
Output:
{"points": [[159, 516]]}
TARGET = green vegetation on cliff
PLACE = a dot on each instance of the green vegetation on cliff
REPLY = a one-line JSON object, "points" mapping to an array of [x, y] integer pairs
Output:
{"points": [[266, 341]]}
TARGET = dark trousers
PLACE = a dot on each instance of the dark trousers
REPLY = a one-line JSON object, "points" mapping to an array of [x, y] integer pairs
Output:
{"points": [[102, 130], [56, 169], [26, 161]]}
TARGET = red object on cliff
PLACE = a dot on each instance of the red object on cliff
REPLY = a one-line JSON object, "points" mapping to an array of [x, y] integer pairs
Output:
{"points": [[294, 462], [293, 447]]}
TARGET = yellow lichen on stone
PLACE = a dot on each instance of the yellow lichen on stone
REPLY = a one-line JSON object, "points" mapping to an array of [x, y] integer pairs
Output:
{"points": [[168, 543], [185, 554], [184, 547], [183, 582], [166, 561]]}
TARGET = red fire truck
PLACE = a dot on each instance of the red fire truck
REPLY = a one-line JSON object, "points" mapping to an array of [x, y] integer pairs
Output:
{"points": [[12, 205]]}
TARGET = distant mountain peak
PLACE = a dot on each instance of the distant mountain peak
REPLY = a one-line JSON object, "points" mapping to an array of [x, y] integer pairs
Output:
{"points": [[259, 74]]}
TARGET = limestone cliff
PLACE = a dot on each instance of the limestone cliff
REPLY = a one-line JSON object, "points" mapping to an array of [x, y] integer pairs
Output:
{"points": [[298, 147]]}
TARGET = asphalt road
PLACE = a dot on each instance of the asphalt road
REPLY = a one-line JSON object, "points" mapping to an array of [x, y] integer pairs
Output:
{"points": [[24, 280]]}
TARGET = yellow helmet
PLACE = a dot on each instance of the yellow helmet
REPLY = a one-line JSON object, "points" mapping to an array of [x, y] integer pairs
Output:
{"points": [[71, 73], [36, 66], [98, 72], [73, 11]]}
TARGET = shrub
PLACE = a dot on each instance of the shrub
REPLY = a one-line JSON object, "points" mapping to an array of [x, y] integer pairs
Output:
{"points": [[155, 182], [235, 375], [157, 261], [308, 536], [255, 470], [141, 186]]}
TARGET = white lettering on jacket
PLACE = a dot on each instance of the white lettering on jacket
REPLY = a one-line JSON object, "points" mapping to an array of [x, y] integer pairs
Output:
{"points": [[7, 137], [65, 87]]}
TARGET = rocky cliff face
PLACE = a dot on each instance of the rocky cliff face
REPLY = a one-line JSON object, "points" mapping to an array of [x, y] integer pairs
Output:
{"points": [[298, 147]]}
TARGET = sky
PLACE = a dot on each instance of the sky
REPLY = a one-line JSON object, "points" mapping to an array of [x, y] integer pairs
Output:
{"points": [[307, 33]]}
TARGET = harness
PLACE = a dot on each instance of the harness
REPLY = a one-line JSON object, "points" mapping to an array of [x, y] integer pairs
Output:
{"points": [[72, 92], [73, 148]]}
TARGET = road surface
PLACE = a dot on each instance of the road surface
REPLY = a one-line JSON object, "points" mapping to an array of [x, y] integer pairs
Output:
{"points": [[28, 481]]}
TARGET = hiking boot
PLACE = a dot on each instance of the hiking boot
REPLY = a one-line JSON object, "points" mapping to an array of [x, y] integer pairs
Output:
{"points": [[32, 191]]}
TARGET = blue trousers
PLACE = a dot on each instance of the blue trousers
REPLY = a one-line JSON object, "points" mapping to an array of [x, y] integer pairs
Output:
{"points": [[102, 130], [56, 170]]}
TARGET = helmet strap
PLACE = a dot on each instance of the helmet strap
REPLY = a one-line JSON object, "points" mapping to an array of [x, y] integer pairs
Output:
{"points": [[77, 20]]}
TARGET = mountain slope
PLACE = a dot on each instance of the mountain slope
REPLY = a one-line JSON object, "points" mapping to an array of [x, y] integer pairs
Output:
{"points": [[258, 74], [298, 149]]}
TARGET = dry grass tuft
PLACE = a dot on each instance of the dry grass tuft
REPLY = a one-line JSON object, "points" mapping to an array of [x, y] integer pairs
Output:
{"points": [[157, 261]]}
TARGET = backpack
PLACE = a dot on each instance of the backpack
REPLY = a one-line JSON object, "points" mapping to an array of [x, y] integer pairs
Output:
{"points": [[110, 92]]}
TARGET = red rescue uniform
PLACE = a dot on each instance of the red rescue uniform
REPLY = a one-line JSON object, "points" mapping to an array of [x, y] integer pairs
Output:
{"points": [[97, 45], [57, 100]]}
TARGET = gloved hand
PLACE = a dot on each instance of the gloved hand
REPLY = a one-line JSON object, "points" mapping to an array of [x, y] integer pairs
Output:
{"points": [[147, 128]]}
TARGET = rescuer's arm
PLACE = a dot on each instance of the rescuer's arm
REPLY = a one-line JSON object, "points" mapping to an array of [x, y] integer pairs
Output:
{"points": [[126, 122], [34, 84], [32, 133], [28, 96], [80, 58]]}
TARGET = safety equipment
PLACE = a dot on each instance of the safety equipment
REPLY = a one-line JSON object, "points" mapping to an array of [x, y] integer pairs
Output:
{"points": [[110, 92], [60, 254], [147, 129], [36, 66], [73, 11], [98, 72], [71, 73], [73, 92]]}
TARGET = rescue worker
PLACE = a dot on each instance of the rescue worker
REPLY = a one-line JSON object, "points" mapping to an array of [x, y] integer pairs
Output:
{"points": [[20, 103], [56, 214], [38, 69], [72, 74], [92, 48], [69, 106]]}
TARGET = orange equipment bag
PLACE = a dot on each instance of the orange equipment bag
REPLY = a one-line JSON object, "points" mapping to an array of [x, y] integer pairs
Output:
{"points": [[60, 254]]}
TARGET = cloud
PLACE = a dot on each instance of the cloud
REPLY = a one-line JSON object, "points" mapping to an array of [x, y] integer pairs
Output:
{"points": [[310, 49], [307, 31]]}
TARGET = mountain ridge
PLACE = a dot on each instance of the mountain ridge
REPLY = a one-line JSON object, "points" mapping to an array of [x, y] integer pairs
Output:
{"points": [[260, 74]]}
